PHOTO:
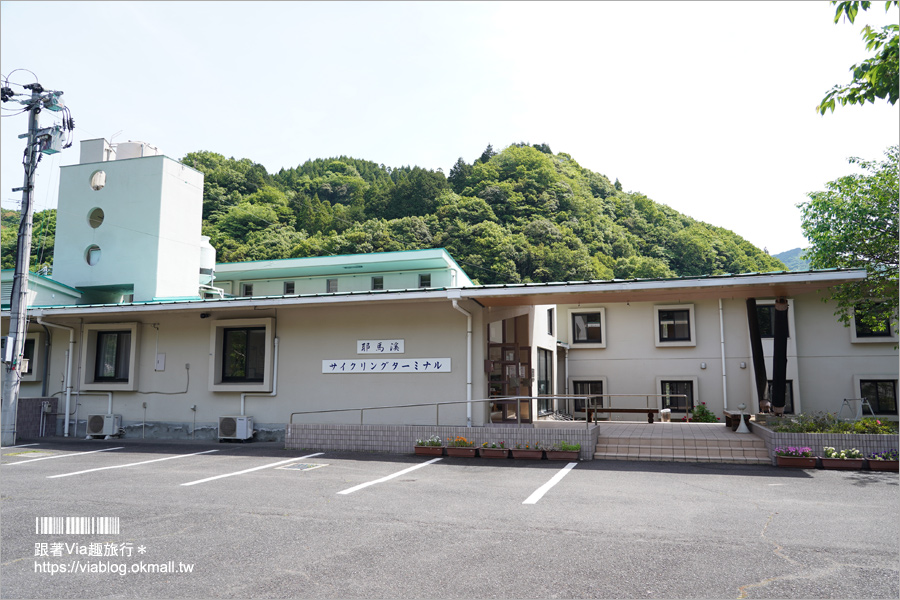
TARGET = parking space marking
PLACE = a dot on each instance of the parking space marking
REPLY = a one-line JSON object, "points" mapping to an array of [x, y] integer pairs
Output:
{"points": [[389, 477], [539, 493], [250, 470], [145, 462], [19, 446], [65, 455]]}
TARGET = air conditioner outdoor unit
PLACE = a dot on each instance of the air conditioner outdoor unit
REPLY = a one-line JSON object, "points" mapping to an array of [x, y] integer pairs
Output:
{"points": [[235, 428], [104, 424]]}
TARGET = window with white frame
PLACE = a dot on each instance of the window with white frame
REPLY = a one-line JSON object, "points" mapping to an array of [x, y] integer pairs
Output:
{"points": [[586, 389], [863, 332], [425, 280], [241, 355], [677, 394], [587, 327], [246, 289], [550, 318], [378, 282], [288, 288], [28, 354], [110, 359], [881, 394], [33, 353], [331, 286], [674, 325]]}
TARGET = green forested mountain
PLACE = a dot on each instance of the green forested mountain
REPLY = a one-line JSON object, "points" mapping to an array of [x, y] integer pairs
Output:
{"points": [[520, 215], [793, 259]]}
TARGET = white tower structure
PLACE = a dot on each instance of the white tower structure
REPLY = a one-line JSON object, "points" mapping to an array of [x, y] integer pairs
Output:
{"points": [[129, 224]]}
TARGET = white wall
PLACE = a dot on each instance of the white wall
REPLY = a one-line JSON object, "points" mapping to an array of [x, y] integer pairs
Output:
{"points": [[346, 283], [150, 234], [822, 361], [829, 361], [307, 336]]}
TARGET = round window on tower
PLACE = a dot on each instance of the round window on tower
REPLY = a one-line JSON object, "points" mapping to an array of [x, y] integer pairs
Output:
{"points": [[95, 218], [92, 255], [98, 180]]}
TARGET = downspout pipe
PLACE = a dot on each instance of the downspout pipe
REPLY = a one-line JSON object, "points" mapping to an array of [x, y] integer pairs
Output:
{"points": [[468, 360], [274, 382], [722, 342], [45, 376], [70, 353], [565, 348]]}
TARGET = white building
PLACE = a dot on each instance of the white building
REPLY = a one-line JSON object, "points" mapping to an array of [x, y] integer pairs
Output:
{"points": [[140, 330]]}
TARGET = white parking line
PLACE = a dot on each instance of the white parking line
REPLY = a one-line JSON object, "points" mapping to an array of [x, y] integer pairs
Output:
{"points": [[389, 477], [19, 446], [65, 455], [539, 493], [253, 469], [130, 464]]}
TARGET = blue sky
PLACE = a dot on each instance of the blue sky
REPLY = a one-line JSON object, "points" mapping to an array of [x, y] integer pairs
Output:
{"points": [[706, 107]]}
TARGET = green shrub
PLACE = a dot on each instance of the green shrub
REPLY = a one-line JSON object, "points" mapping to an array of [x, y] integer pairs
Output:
{"points": [[829, 423], [567, 447], [701, 414]]}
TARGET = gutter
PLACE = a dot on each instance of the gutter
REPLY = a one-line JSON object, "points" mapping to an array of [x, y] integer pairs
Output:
{"points": [[454, 296], [722, 342], [69, 356]]}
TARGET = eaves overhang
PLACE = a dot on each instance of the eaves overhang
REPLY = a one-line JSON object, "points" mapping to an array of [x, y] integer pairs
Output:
{"points": [[755, 285], [751, 285]]}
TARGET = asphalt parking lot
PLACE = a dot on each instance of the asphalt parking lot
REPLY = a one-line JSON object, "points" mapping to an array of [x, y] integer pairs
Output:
{"points": [[206, 520]]}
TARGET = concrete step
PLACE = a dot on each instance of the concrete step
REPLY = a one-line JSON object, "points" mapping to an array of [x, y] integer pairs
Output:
{"points": [[683, 450], [744, 460], [749, 442]]}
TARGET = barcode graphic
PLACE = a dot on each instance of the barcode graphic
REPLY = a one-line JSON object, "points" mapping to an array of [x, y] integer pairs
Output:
{"points": [[76, 525]]}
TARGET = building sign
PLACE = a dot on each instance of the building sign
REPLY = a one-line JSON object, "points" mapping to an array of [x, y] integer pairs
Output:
{"points": [[383, 365], [379, 346]]}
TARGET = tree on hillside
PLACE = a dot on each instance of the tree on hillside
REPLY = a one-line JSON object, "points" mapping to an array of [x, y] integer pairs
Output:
{"points": [[877, 75], [487, 154], [42, 239], [854, 224]]}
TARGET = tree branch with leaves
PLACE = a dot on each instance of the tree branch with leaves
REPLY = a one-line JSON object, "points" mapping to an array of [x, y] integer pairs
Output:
{"points": [[854, 224], [877, 75]]}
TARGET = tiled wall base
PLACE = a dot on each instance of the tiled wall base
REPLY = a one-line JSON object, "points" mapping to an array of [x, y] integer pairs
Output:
{"points": [[865, 443], [400, 439]]}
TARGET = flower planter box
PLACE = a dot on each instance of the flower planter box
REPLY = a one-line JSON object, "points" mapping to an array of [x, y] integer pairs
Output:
{"points": [[494, 452], [884, 465], [796, 462], [528, 454], [461, 451], [430, 450], [562, 455], [842, 463]]}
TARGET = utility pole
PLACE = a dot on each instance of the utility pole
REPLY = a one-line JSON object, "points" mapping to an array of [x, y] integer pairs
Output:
{"points": [[47, 141]]}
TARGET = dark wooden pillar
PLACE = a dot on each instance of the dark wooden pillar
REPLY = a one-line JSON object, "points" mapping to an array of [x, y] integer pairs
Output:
{"points": [[759, 361], [779, 356]]}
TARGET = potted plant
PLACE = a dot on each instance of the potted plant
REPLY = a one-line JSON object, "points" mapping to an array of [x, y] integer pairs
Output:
{"points": [[563, 451], [799, 458], [842, 459], [461, 447], [430, 447], [884, 461], [531, 451], [494, 450]]}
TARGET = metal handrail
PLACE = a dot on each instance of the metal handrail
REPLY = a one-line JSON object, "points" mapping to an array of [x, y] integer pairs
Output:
{"points": [[500, 400]]}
